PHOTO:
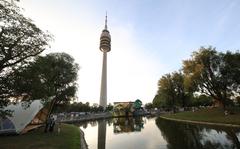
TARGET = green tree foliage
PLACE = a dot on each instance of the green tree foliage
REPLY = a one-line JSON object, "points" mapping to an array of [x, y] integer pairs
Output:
{"points": [[166, 90], [96, 108], [181, 92], [201, 100], [148, 106], [50, 78], [171, 91], [216, 75], [74, 107], [213, 73], [109, 107], [20, 40], [159, 101]]}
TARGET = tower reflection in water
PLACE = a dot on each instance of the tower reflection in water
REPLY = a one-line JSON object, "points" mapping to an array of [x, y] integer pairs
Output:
{"points": [[102, 134], [120, 125]]}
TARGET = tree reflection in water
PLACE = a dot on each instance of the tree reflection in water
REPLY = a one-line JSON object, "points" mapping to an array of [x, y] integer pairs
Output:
{"points": [[128, 124], [187, 136]]}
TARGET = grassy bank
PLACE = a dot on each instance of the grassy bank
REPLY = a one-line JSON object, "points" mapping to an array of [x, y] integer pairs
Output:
{"points": [[68, 138], [215, 115]]}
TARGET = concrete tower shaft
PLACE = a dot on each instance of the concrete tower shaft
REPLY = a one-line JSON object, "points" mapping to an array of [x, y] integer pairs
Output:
{"points": [[103, 93], [105, 46]]}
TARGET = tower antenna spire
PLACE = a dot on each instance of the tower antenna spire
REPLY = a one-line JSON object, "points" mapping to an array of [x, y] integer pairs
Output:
{"points": [[106, 21]]}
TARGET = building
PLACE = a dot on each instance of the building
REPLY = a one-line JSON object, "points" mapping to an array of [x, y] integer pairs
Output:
{"points": [[105, 46], [127, 108]]}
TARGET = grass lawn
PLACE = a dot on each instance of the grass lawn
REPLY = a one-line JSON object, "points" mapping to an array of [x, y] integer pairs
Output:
{"points": [[68, 138], [215, 115]]}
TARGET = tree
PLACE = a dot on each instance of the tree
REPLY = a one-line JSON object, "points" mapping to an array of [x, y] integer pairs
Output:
{"points": [[148, 106], [109, 107], [51, 78], [214, 74], [20, 40], [159, 101], [172, 91], [201, 100], [96, 108], [182, 93], [231, 71], [166, 90]]}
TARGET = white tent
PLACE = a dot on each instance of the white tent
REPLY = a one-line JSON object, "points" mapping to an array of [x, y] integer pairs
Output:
{"points": [[23, 117]]}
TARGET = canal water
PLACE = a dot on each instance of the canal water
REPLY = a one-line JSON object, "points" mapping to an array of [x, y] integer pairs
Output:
{"points": [[157, 133]]}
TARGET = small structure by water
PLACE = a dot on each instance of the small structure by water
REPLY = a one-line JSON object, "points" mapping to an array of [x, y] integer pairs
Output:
{"points": [[127, 109]]}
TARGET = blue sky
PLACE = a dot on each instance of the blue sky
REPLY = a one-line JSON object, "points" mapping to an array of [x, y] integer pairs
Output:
{"points": [[149, 38]]}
